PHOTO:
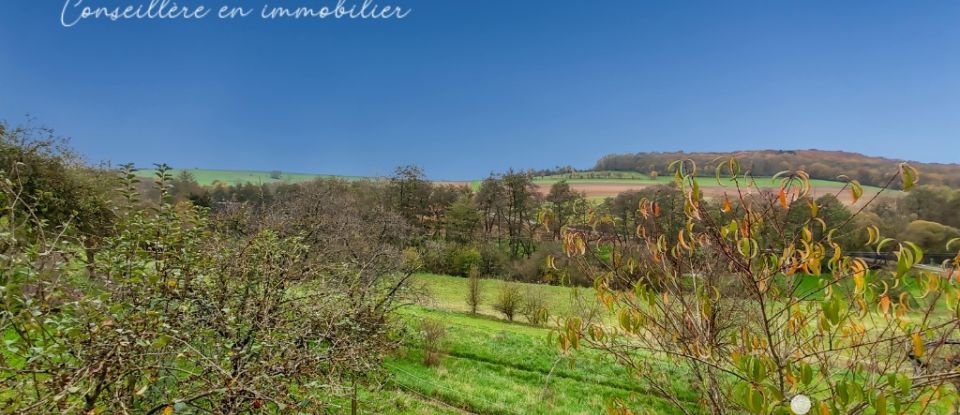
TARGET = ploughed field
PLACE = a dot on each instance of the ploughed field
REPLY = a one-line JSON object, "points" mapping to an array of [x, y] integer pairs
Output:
{"points": [[603, 184]]}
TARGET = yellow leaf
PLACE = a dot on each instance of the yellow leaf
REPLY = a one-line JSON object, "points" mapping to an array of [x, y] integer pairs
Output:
{"points": [[167, 410], [859, 282], [917, 345], [856, 189], [814, 208]]}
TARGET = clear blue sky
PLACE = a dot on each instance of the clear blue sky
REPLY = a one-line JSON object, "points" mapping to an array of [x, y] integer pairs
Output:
{"points": [[466, 87]]}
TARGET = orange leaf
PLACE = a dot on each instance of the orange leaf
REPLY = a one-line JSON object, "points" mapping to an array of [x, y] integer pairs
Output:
{"points": [[783, 198], [885, 304]]}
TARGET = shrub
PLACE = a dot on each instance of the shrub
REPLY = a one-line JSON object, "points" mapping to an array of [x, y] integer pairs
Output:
{"points": [[509, 300], [474, 289], [433, 332], [434, 257], [177, 303], [527, 269], [493, 260], [441, 257], [759, 306], [461, 259], [534, 306]]}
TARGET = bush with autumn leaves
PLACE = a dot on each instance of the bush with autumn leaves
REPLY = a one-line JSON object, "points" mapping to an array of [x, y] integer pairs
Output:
{"points": [[755, 296]]}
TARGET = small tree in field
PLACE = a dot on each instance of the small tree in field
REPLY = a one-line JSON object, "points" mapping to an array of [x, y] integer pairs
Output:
{"points": [[534, 307], [474, 289], [509, 300], [433, 331], [742, 308]]}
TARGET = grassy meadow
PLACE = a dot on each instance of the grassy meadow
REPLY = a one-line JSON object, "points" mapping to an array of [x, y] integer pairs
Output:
{"points": [[492, 366]]}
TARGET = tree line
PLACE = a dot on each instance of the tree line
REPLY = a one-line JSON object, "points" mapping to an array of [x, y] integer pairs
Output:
{"points": [[819, 164]]}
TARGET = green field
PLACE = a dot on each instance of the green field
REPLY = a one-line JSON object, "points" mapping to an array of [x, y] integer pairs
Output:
{"points": [[492, 366], [495, 367], [207, 177]]}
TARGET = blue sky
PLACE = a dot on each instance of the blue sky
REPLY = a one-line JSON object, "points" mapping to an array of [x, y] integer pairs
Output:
{"points": [[466, 87]]}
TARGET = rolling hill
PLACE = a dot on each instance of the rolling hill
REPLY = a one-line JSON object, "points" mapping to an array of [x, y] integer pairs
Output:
{"points": [[820, 164]]}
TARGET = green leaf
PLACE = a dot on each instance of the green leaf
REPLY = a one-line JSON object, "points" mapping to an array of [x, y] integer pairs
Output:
{"points": [[880, 404], [905, 383], [832, 309], [908, 176], [952, 242], [842, 393], [755, 401], [806, 374], [917, 252], [734, 167], [883, 243]]}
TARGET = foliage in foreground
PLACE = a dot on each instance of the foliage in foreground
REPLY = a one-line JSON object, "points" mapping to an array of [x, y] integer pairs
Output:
{"points": [[239, 314], [723, 289]]}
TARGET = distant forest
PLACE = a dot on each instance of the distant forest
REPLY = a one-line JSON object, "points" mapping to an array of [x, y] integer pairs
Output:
{"points": [[825, 165]]}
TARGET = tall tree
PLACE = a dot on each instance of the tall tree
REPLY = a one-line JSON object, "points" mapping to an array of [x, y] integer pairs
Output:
{"points": [[410, 194], [522, 201], [490, 201], [461, 221], [564, 203]]}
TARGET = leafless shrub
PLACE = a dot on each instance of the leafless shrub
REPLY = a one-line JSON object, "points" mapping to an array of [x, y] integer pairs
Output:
{"points": [[433, 332], [534, 306]]}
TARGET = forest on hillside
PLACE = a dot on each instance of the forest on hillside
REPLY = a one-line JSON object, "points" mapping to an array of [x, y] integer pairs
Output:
{"points": [[819, 164]]}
